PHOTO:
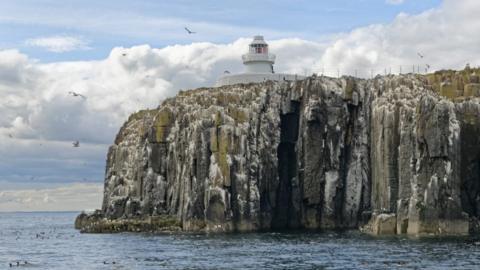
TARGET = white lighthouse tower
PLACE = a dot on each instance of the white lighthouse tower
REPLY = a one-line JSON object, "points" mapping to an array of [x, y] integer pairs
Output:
{"points": [[258, 59], [258, 63]]}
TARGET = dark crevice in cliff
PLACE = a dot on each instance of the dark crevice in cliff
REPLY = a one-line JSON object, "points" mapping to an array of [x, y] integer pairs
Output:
{"points": [[235, 191], [284, 215], [345, 156], [470, 171]]}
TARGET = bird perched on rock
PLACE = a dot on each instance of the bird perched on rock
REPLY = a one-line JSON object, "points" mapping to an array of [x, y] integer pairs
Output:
{"points": [[77, 94], [189, 31], [76, 144]]}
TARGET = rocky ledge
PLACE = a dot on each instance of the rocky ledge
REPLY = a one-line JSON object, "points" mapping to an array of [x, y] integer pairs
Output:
{"points": [[391, 155]]}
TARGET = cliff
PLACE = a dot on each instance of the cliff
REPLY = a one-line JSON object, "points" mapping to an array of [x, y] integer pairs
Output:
{"points": [[393, 154]]}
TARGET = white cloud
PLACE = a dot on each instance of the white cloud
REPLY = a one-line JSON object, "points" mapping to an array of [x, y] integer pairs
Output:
{"points": [[445, 35], [394, 2], [73, 197], [36, 108], [37, 105], [58, 44]]}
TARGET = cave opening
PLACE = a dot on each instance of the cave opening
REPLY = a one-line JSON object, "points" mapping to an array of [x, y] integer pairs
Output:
{"points": [[284, 216], [216, 209], [470, 193], [470, 170]]}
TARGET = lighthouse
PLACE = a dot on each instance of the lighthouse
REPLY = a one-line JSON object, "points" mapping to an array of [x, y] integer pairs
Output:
{"points": [[258, 59], [258, 62]]}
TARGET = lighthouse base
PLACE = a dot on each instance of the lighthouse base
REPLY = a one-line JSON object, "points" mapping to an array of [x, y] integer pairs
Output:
{"points": [[256, 78]]}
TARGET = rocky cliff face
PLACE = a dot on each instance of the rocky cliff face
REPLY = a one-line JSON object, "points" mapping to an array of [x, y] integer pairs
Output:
{"points": [[321, 153]]}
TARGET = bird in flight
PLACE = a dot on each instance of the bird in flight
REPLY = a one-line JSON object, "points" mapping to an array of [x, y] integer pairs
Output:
{"points": [[10, 135], [189, 31], [421, 55], [427, 67], [226, 72], [75, 94], [124, 54], [76, 144]]}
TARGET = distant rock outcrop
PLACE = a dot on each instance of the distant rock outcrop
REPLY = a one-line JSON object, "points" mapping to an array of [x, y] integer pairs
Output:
{"points": [[321, 153]]}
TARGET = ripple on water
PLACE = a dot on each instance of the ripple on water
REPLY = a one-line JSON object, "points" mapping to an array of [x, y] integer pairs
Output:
{"points": [[61, 247]]}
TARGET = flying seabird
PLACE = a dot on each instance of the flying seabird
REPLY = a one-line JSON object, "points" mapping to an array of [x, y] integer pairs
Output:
{"points": [[76, 144], [76, 94], [189, 31], [419, 54], [428, 66], [226, 72], [10, 135]]}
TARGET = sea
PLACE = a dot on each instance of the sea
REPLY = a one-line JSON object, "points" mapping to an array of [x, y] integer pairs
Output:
{"points": [[48, 240]]}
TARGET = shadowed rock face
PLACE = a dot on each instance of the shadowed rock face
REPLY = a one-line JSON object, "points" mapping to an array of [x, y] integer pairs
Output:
{"points": [[321, 153]]}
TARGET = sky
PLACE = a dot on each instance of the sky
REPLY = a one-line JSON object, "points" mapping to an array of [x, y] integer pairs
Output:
{"points": [[130, 55]]}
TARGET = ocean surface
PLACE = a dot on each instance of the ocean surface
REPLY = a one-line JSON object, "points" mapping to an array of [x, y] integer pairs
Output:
{"points": [[49, 241]]}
